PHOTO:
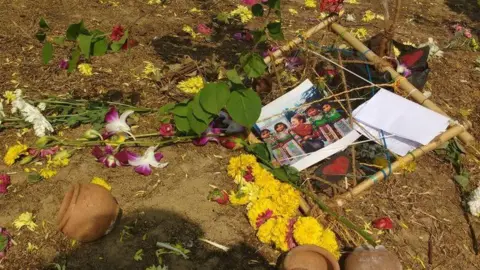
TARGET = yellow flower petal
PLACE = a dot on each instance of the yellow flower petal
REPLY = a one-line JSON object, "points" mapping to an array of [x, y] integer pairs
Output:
{"points": [[101, 182], [25, 220]]}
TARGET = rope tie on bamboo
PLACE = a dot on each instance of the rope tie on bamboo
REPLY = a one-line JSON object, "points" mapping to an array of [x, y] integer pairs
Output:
{"points": [[411, 154], [381, 64], [365, 52]]}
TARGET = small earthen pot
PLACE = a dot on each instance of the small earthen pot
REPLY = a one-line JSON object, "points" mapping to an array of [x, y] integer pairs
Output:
{"points": [[88, 212], [309, 257], [370, 258]]}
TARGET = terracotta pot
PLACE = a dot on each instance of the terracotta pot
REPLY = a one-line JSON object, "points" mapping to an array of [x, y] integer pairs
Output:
{"points": [[88, 212], [310, 257], [370, 258]]}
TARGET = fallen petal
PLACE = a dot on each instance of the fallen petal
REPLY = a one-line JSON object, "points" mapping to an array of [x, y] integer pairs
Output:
{"points": [[143, 170], [112, 115]]}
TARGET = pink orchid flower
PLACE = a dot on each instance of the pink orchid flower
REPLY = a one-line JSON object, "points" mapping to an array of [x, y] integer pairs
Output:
{"points": [[142, 163], [4, 183], [108, 158], [116, 123], [207, 136], [250, 2]]}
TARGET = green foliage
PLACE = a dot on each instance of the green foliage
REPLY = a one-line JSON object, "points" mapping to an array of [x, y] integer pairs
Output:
{"points": [[233, 76], [244, 107], [257, 10], [47, 52], [274, 4], [287, 174], [275, 30], [253, 65], [84, 43], [214, 96]]}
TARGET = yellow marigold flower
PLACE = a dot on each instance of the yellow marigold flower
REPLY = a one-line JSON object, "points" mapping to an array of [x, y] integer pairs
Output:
{"points": [[9, 96], [274, 231], [248, 192], [25, 219], [47, 173], [287, 200], [360, 33], [189, 30], [101, 182], [260, 210], [308, 231], [13, 153], [238, 198], [192, 85], [238, 165], [243, 12], [310, 3], [293, 11], [263, 177], [409, 167], [85, 69]]}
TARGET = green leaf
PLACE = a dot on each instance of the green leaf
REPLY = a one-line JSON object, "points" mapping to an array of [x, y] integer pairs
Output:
{"points": [[34, 177], [85, 42], [274, 4], [259, 36], [257, 10], [3, 242], [47, 52], [41, 36], [100, 47], [199, 112], [180, 110], [214, 96], [117, 45], [287, 174], [73, 30], [43, 24], [462, 180], [275, 30], [223, 17], [60, 40], [233, 76], [197, 125], [260, 150], [72, 64], [253, 65], [166, 108], [181, 123], [244, 107]]}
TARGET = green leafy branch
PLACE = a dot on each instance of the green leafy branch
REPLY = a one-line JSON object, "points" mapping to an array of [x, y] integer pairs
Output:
{"points": [[84, 43]]}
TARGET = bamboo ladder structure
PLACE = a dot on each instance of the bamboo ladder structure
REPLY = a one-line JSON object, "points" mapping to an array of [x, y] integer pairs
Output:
{"points": [[455, 129]]}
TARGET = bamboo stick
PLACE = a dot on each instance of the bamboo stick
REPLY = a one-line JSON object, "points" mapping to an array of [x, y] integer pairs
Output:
{"points": [[287, 47], [405, 85], [395, 166]]}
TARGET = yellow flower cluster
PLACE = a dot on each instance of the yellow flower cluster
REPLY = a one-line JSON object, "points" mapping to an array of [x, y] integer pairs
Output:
{"points": [[189, 30], [14, 152], [243, 12], [310, 3], [370, 16], [293, 11], [273, 208], [85, 69], [308, 231], [9, 96], [360, 33], [150, 69], [25, 220], [101, 182], [60, 160], [192, 85]]}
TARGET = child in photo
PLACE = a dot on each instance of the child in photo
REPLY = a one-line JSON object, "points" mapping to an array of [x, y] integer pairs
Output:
{"points": [[330, 113], [309, 139], [316, 117]]}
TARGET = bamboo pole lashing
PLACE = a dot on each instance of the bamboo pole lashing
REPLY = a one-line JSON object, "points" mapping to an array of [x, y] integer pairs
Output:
{"points": [[401, 161], [404, 84]]}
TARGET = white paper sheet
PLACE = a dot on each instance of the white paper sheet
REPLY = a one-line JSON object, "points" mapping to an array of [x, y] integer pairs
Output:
{"points": [[394, 143], [401, 117]]}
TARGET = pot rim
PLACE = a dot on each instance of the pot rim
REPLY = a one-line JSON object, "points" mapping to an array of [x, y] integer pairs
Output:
{"points": [[313, 248], [68, 200]]}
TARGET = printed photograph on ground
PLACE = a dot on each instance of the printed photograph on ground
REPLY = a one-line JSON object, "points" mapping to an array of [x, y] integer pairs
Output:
{"points": [[300, 130]]}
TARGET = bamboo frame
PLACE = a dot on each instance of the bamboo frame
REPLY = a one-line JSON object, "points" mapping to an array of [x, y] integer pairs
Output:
{"points": [[404, 84], [395, 166]]}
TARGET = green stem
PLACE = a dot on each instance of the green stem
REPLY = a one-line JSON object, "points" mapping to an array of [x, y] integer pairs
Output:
{"points": [[342, 219], [78, 143]]}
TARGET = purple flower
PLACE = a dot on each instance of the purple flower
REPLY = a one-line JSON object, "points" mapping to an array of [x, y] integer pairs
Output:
{"points": [[250, 2], [142, 163], [5, 242], [4, 183], [108, 158], [243, 36], [116, 123], [270, 50], [208, 135], [63, 64], [293, 62]]}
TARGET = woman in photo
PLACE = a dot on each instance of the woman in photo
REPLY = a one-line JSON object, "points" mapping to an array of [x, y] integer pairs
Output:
{"points": [[309, 139]]}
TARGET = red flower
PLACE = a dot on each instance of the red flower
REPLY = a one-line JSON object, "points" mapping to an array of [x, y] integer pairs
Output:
{"points": [[219, 196], [384, 223], [231, 142], [117, 33], [333, 6], [166, 130], [204, 29], [4, 183], [264, 217], [248, 176]]}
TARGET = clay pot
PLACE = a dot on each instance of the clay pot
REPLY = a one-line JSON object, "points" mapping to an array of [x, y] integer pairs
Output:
{"points": [[370, 258], [310, 257], [88, 212]]}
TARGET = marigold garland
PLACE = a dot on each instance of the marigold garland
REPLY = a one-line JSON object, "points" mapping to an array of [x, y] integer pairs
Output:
{"points": [[273, 208], [14, 152]]}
